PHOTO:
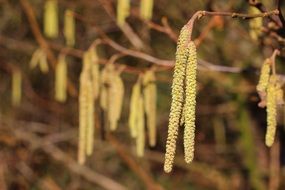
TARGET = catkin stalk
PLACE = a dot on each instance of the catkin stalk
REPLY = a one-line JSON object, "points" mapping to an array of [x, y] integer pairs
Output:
{"points": [[146, 7], [190, 103], [134, 113], [51, 18], [177, 98], [271, 110], [61, 79], [69, 28], [123, 11], [140, 140], [150, 105], [16, 87]]}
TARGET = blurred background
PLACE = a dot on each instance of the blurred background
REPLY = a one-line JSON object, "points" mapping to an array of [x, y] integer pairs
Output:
{"points": [[39, 135]]}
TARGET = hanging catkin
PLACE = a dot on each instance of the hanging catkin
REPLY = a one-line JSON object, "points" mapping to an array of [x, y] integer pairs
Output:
{"points": [[123, 11], [271, 110], [115, 100], [95, 71], [51, 18], [69, 28], [61, 79], [86, 111], [177, 98], [134, 104], [255, 24], [146, 7], [150, 104], [190, 103], [140, 140], [16, 87]]}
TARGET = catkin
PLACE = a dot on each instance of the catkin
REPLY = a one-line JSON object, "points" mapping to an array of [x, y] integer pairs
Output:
{"points": [[190, 103], [115, 100], [86, 111], [61, 79], [123, 11], [255, 24], [112, 92], [264, 76], [134, 104], [16, 87], [150, 104], [51, 18], [271, 110], [177, 98], [95, 71], [69, 28], [140, 140], [39, 58], [146, 7]]}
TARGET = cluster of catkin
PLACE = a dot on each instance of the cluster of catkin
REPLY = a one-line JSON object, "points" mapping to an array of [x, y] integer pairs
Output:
{"points": [[143, 102], [271, 95], [51, 22], [112, 94], [88, 93], [183, 99], [123, 10]]}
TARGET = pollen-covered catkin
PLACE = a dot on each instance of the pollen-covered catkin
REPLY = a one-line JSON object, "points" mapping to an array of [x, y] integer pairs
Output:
{"points": [[150, 104], [190, 103], [146, 7], [61, 79], [90, 118], [134, 113], [264, 76], [115, 100], [255, 24], [39, 59], [123, 11], [16, 87], [271, 110], [51, 18], [140, 140], [69, 28], [177, 97]]}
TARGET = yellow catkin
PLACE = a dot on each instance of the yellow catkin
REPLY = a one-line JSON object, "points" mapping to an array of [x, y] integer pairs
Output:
{"points": [[95, 71], [140, 140], [61, 79], [190, 103], [16, 87], [134, 104], [264, 76], [69, 28], [271, 110], [150, 104], [86, 111], [51, 18], [83, 114], [115, 100], [35, 58], [177, 98], [146, 7], [105, 78], [123, 11], [255, 24]]}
